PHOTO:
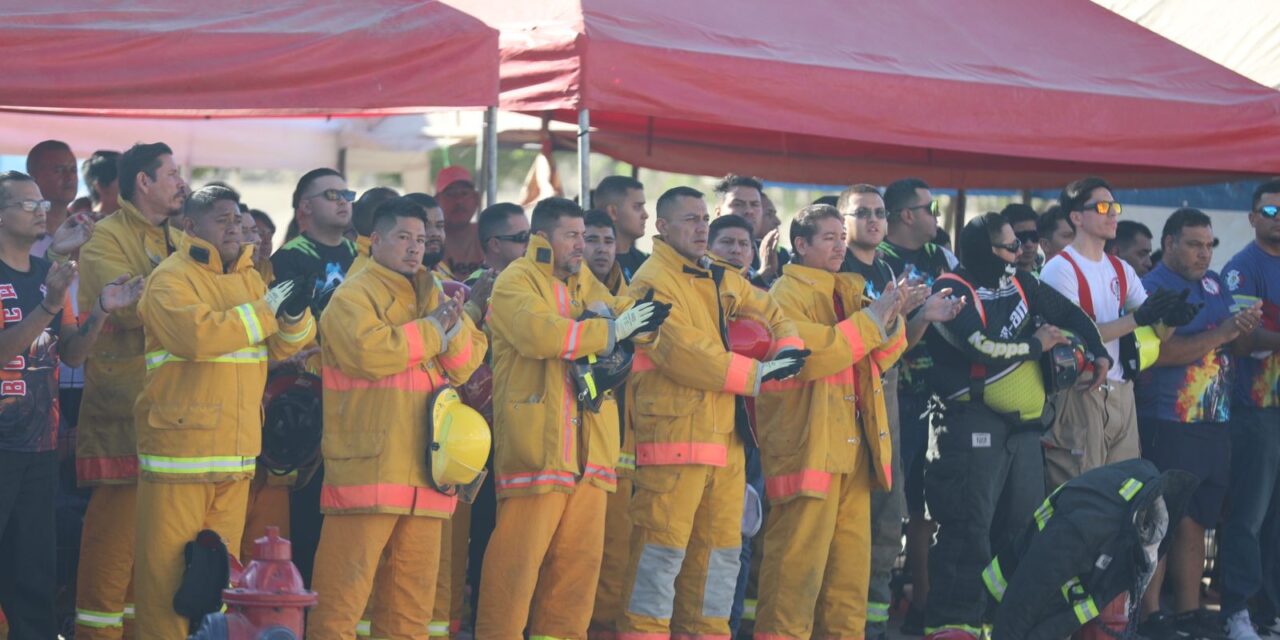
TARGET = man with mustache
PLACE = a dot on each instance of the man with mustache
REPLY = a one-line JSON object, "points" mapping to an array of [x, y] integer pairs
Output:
{"points": [[130, 242]]}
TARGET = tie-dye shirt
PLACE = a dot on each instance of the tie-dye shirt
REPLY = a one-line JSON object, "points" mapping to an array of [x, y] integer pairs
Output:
{"points": [[1250, 276], [1200, 391]]}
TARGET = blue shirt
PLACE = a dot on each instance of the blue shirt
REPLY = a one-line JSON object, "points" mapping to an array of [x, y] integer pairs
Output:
{"points": [[1200, 391], [1250, 276]]}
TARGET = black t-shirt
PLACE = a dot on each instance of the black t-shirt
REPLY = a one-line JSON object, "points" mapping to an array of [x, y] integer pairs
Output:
{"points": [[29, 410], [924, 264], [878, 274], [323, 266], [630, 262]]}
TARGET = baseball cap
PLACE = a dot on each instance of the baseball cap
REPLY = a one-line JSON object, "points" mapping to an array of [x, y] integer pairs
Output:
{"points": [[450, 175]]}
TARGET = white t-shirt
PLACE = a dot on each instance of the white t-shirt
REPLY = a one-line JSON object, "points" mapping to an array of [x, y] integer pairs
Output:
{"points": [[1104, 288]]}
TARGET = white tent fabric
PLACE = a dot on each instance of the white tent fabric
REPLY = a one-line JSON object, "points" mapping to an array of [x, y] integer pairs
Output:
{"points": [[1242, 35], [386, 144]]}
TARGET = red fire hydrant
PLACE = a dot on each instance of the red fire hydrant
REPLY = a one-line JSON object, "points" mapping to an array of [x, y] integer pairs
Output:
{"points": [[267, 602]]}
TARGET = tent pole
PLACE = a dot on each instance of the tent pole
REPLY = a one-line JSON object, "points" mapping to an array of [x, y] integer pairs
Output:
{"points": [[584, 158], [490, 156]]}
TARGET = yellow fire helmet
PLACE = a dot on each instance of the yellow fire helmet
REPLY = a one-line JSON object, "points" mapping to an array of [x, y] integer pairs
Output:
{"points": [[459, 442]]}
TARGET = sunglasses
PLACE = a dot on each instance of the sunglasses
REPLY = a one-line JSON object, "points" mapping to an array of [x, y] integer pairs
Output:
{"points": [[31, 206], [1012, 247], [1104, 207], [335, 195], [1028, 237], [863, 213], [518, 238], [932, 207], [1269, 210]]}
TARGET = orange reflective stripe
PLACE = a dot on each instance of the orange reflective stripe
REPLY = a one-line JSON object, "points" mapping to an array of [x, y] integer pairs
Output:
{"points": [[808, 480], [604, 473], [738, 378], [572, 339], [841, 378], [414, 379], [884, 353], [413, 336], [706, 453], [117, 468], [397, 496], [536, 479], [642, 362], [853, 337], [462, 357], [790, 342]]}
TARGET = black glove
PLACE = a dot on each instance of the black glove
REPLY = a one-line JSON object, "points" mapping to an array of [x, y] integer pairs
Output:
{"points": [[299, 299], [787, 363], [1183, 312], [1155, 307]]}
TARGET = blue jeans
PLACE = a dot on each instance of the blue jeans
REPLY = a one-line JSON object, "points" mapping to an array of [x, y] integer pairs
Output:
{"points": [[755, 478], [1248, 550]]}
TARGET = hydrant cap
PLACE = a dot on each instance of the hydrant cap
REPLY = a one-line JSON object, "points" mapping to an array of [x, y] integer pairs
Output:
{"points": [[272, 546]]}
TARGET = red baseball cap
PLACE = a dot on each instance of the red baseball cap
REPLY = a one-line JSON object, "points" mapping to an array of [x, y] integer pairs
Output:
{"points": [[450, 175]]}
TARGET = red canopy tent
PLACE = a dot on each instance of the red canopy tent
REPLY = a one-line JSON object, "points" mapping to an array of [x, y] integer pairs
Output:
{"points": [[985, 93], [195, 58]]}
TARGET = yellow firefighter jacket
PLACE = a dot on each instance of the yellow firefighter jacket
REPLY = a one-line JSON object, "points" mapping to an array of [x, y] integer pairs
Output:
{"points": [[683, 386], [541, 444], [383, 360], [124, 242], [813, 425], [208, 336]]}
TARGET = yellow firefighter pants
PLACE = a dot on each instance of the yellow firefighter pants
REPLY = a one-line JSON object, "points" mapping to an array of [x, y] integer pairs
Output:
{"points": [[104, 579], [347, 561], [170, 514], [685, 544], [446, 617], [817, 563], [268, 507], [617, 551], [544, 556]]}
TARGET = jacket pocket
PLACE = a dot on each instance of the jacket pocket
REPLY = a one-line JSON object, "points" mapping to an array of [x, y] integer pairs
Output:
{"points": [[523, 437], [666, 416], [347, 436], [184, 415]]}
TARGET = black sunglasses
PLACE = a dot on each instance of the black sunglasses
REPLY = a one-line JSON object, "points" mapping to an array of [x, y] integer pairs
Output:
{"points": [[1012, 247], [518, 238], [1028, 236]]}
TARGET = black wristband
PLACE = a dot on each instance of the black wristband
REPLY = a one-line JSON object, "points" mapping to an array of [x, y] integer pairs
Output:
{"points": [[47, 310]]}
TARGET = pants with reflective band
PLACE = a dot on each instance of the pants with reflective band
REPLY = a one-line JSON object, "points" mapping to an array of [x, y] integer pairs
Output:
{"points": [[104, 577], [451, 579], [617, 550], [1091, 429], [1247, 557], [542, 565], [268, 507], [348, 561], [28, 544], [170, 514], [887, 512], [817, 553], [684, 549], [982, 491]]}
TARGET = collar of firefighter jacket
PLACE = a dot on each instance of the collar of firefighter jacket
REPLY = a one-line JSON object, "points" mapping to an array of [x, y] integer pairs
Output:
{"points": [[614, 282], [363, 244], [158, 240], [204, 254], [724, 264], [416, 291], [541, 255], [672, 259]]}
